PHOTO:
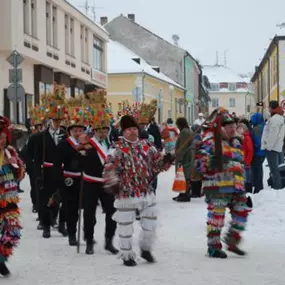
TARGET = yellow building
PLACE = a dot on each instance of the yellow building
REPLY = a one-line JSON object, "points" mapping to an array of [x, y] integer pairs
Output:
{"points": [[131, 78], [269, 76]]}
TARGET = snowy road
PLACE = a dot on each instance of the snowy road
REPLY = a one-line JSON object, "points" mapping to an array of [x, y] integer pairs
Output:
{"points": [[180, 249]]}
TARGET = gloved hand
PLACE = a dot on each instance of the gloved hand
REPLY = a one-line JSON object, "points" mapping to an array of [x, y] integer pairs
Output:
{"points": [[55, 199]]}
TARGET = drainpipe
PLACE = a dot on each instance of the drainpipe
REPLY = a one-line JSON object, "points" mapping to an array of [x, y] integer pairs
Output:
{"points": [[143, 78], [268, 79], [185, 92], [278, 87]]}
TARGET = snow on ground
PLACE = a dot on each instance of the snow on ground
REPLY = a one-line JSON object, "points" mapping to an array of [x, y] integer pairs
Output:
{"points": [[180, 249]]}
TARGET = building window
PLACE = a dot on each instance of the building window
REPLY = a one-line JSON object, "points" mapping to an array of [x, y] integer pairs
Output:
{"points": [[34, 18], [97, 54], [54, 27], [26, 16], [71, 37], [82, 42], [232, 102], [48, 23], [232, 86], [215, 102], [66, 26], [86, 46], [215, 87]]}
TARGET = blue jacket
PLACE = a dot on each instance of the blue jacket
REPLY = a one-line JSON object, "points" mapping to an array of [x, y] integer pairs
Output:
{"points": [[258, 123]]}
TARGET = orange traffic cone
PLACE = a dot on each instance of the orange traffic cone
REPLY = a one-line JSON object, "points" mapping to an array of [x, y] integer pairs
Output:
{"points": [[179, 184]]}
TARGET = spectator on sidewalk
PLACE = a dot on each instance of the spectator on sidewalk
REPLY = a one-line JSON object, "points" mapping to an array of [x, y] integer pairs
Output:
{"points": [[257, 122], [247, 147], [272, 142]]}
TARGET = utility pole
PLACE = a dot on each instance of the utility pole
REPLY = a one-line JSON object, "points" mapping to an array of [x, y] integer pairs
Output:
{"points": [[225, 57], [217, 58], [88, 7]]}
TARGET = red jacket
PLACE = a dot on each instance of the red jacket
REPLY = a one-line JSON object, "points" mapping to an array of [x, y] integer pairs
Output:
{"points": [[248, 149]]}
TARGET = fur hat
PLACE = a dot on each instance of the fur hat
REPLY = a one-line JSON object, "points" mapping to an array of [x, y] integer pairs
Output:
{"points": [[128, 122]]}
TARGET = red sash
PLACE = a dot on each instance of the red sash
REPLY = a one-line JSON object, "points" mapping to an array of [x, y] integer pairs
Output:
{"points": [[94, 142]]}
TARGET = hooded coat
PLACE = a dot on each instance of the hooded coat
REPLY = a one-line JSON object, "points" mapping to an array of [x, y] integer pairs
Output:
{"points": [[258, 123]]}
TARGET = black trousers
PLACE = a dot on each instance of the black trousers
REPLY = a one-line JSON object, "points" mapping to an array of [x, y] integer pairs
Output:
{"points": [[46, 213], [92, 192], [33, 192], [257, 173], [71, 203]]}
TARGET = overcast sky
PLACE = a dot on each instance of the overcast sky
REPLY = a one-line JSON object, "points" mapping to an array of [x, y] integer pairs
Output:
{"points": [[242, 27]]}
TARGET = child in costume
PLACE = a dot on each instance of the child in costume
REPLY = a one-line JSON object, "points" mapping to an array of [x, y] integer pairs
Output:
{"points": [[220, 158]]}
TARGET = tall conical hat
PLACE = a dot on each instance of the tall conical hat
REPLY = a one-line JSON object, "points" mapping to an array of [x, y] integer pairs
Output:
{"points": [[54, 103], [37, 115], [146, 112], [99, 111]]}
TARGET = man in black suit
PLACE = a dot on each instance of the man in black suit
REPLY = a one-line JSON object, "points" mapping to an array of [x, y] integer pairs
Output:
{"points": [[44, 158], [92, 164]]}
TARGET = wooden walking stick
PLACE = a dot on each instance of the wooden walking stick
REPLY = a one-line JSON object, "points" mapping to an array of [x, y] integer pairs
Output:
{"points": [[79, 212]]}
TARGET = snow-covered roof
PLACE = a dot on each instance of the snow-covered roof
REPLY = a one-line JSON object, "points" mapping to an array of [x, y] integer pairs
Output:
{"points": [[120, 60], [221, 74]]}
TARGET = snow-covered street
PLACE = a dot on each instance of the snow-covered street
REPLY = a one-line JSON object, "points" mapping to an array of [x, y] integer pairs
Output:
{"points": [[180, 249]]}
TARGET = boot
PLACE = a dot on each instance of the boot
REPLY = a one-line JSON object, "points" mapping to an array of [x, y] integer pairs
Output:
{"points": [[175, 198], [46, 232], [109, 246], [4, 271], [186, 197], [236, 250], [145, 254], [72, 240], [216, 253], [90, 247], [249, 202], [62, 229], [130, 262], [138, 217]]}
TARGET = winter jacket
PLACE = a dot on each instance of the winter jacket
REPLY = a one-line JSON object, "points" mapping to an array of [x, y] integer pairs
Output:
{"points": [[183, 152], [257, 122], [247, 147], [154, 130], [231, 178], [273, 134]]}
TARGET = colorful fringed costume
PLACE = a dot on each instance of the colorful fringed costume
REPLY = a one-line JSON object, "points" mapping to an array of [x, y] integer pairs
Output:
{"points": [[9, 212], [223, 187], [132, 167]]}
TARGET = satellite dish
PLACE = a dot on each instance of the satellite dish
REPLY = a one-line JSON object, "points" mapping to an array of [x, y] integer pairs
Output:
{"points": [[175, 38]]}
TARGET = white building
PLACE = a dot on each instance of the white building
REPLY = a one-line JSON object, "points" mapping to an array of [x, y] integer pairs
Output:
{"points": [[229, 90], [59, 44]]}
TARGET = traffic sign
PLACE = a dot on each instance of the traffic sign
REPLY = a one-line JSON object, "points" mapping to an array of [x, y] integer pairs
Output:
{"points": [[16, 92], [15, 59], [15, 75]]}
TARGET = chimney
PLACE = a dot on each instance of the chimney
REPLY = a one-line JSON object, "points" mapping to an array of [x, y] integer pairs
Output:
{"points": [[104, 21], [132, 17]]}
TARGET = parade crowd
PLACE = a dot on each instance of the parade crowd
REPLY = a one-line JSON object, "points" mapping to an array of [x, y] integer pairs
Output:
{"points": [[80, 155]]}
